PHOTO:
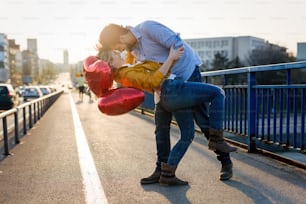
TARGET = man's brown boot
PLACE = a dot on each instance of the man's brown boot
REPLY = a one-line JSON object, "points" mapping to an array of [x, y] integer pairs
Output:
{"points": [[168, 177], [217, 142], [226, 171], [154, 178]]}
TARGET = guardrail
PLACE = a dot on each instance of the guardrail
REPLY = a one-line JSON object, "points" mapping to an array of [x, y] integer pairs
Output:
{"points": [[31, 111], [273, 114]]}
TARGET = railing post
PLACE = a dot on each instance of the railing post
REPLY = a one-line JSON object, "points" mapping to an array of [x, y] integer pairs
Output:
{"points": [[16, 127], [5, 137], [30, 116], [251, 112], [288, 104], [35, 112], [39, 110], [24, 120]]}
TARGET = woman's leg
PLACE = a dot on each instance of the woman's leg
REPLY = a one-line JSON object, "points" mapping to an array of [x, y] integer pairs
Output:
{"points": [[177, 94], [201, 117]]}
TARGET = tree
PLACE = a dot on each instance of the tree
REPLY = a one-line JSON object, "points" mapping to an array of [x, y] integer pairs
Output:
{"points": [[219, 62], [237, 78], [235, 63], [270, 54], [204, 66]]}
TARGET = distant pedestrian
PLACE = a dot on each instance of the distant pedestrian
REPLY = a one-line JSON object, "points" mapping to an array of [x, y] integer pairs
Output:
{"points": [[81, 86], [88, 92]]}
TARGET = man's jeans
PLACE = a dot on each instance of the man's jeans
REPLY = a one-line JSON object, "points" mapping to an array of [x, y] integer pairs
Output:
{"points": [[163, 118], [184, 118]]}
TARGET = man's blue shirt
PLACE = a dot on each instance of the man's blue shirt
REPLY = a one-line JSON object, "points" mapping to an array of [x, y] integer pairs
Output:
{"points": [[153, 43]]}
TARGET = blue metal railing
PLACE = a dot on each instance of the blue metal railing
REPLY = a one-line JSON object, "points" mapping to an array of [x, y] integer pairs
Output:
{"points": [[274, 114], [31, 112]]}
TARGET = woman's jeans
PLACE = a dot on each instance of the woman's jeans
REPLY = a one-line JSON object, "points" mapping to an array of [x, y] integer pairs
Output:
{"points": [[188, 111], [178, 94]]}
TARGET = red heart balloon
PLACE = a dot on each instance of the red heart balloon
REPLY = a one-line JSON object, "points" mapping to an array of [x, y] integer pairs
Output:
{"points": [[88, 62], [98, 75], [121, 100]]}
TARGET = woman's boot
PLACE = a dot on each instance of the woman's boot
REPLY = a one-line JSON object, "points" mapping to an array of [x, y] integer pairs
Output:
{"points": [[217, 142], [168, 176]]}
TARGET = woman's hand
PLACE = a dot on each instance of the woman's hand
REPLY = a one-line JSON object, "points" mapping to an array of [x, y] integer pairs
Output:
{"points": [[175, 54]]}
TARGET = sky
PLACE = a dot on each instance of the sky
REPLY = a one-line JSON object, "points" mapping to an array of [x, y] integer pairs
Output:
{"points": [[75, 24]]}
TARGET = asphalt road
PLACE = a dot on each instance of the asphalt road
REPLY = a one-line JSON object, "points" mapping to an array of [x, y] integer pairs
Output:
{"points": [[75, 154]]}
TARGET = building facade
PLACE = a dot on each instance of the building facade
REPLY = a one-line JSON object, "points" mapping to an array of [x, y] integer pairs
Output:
{"points": [[230, 47], [33, 59], [301, 51], [66, 60], [4, 58], [15, 74]]}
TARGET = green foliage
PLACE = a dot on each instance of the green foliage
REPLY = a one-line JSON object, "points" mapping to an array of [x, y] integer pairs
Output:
{"points": [[270, 54], [220, 62]]}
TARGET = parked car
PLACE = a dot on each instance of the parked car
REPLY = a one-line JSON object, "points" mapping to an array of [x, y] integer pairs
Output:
{"points": [[45, 90], [20, 90], [8, 97], [31, 92], [52, 88]]}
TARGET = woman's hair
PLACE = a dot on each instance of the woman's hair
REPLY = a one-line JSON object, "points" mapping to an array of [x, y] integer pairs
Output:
{"points": [[104, 55], [110, 36]]}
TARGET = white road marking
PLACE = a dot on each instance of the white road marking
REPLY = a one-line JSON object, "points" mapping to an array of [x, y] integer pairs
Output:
{"points": [[93, 189]]}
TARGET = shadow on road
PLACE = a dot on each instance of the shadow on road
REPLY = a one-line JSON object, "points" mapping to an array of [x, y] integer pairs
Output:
{"points": [[170, 192], [255, 194]]}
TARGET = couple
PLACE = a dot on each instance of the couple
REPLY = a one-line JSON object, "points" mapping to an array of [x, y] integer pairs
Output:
{"points": [[167, 63]]}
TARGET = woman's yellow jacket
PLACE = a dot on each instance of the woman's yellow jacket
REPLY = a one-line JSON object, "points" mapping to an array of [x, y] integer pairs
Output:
{"points": [[144, 76]]}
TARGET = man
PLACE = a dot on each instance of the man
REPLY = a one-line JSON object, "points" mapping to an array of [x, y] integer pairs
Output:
{"points": [[151, 41]]}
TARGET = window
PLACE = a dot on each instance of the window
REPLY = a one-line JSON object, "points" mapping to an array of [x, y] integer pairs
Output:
{"points": [[216, 43], [224, 43], [3, 90], [208, 54]]}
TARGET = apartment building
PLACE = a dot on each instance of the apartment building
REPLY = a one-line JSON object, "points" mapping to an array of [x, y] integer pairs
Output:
{"points": [[34, 59], [301, 51], [230, 47], [15, 75], [4, 58]]}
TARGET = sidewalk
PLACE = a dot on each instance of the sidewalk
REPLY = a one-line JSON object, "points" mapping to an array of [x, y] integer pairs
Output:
{"points": [[289, 156]]}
